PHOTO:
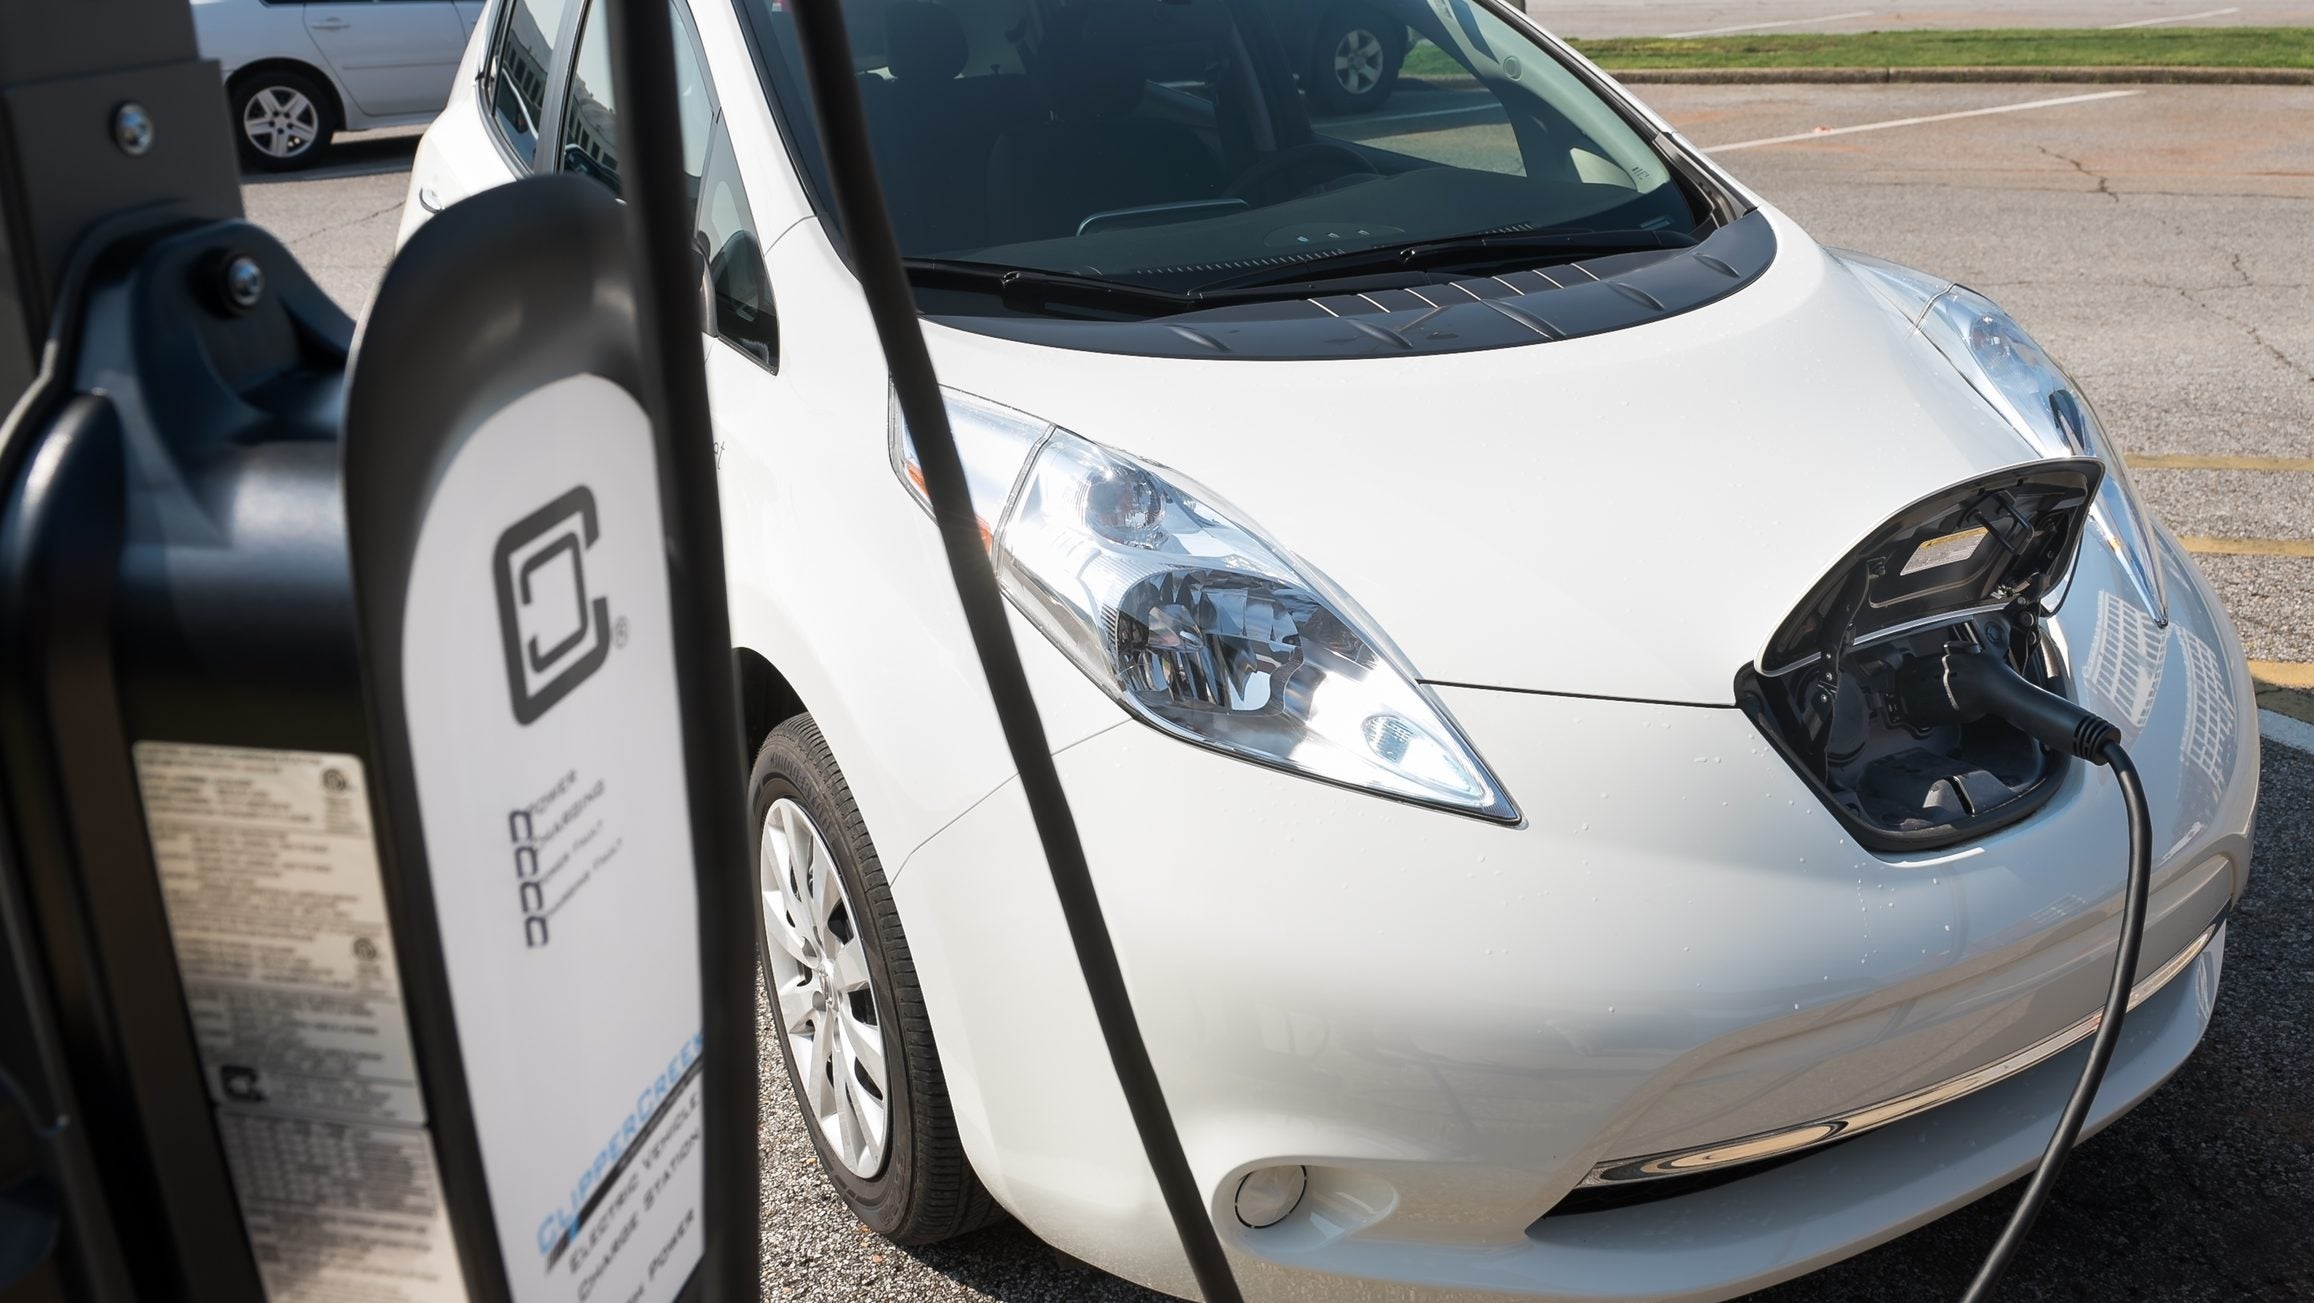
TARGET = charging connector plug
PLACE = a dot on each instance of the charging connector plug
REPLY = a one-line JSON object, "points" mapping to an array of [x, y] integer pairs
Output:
{"points": [[1967, 684]]}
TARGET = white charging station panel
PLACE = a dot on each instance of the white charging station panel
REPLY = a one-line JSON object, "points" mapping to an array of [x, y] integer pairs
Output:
{"points": [[539, 676]]}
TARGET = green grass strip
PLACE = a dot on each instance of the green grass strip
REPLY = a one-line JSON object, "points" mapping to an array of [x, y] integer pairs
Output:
{"points": [[2024, 47]]}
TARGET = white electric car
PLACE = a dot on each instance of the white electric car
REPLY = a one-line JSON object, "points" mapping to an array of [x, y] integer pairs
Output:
{"points": [[1475, 569], [299, 71]]}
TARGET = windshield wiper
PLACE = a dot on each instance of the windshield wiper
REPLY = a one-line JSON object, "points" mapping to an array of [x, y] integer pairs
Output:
{"points": [[1468, 252], [1034, 288]]}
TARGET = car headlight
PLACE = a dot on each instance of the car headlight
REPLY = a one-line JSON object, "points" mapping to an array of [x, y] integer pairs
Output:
{"points": [[1197, 622], [2017, 377]]}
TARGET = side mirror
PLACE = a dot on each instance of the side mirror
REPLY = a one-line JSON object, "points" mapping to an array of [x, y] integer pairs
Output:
{"points": [[738, 289]]}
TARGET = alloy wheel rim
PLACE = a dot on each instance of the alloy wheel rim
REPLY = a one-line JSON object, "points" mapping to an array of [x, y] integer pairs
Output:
{"points": [[1358, 61], [280, 122], [821, 992]]}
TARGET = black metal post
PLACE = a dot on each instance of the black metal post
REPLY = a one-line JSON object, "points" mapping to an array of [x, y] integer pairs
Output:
{"points": [[106, 107], [109, 122], [114, 136], [659, 223]]}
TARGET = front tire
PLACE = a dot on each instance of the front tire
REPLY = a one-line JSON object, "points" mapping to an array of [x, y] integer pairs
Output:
{"points": [[282, 119], [1355, 59], [845, 1005]]}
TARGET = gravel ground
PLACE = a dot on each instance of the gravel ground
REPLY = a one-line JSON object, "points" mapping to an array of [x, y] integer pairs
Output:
{"points": [[2232, 504], [2267, 596]]}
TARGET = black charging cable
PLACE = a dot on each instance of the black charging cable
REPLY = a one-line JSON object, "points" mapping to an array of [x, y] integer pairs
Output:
{"points": [[1973, 683], [867, 224], [659, 221]]}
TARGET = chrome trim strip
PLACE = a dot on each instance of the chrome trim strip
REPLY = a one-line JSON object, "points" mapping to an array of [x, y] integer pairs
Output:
{"points": [[1894, 632], [1792, 1140]]}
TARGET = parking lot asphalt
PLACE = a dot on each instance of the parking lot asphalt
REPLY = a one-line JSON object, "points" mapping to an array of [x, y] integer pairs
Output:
{"points": [[2161, 243], [340, 218]]}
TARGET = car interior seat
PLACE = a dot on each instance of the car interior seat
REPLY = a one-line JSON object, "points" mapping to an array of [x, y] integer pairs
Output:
{"points": [[1092, 153], [934, 128]]}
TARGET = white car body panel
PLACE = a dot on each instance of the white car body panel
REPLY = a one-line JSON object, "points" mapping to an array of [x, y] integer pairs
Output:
{"points": [[1679, 945], [1308, 1014], [457, 156], [1799, 414], [926, 731]]}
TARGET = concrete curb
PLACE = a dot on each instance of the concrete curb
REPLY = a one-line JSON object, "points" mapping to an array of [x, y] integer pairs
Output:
{"points": [[1845, 76]]}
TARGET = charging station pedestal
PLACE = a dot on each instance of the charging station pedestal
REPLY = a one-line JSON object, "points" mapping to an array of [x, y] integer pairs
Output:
{"points": [[172, 585], [427, 863], [511, 560], [374, 897]]}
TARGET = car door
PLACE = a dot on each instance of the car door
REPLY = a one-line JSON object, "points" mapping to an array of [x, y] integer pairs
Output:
{"points": [[394, 58], [492, 135]]}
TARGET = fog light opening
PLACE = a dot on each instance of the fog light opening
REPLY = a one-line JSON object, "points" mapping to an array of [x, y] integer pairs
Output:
{"points": [[1268, 1195]]}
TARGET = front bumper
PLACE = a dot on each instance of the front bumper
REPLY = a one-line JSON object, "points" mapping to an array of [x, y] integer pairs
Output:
{"points": [[1454, 1025]]}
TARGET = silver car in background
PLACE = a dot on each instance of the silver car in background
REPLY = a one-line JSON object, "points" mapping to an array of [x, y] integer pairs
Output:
{"points": [[297, 73]]}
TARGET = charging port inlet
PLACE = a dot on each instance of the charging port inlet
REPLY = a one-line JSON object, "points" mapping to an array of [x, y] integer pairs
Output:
{"points": [[1904, 782], [1848, 698]]}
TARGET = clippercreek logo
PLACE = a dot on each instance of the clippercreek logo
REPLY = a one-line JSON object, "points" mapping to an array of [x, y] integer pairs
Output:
{"points": [[555, 633]]}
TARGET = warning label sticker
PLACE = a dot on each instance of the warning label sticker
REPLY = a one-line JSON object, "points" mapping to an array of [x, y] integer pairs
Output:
{"points": [[340, 1212], [269, 873], [1945, 551]]}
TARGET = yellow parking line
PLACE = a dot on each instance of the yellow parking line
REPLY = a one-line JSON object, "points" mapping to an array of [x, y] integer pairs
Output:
{"points": [[2283, 674], [2290, 547], [2189, 462]]}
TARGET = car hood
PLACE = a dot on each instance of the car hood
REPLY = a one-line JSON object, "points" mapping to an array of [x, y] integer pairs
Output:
{"points": [[1628, 515]]}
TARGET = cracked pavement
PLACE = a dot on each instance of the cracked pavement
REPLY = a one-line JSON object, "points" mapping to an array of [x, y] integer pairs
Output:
{"points": [[340, 218], [2162, 245]]}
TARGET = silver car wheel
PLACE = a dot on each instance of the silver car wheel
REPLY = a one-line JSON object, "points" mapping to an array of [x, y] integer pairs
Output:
{"points": [[280, 122], [1358, 60], [824, 998]]}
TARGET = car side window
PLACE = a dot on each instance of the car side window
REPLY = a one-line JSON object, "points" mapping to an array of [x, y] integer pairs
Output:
{"points": [[521, 58], [734, 282], [735, 291], [590, 133]]}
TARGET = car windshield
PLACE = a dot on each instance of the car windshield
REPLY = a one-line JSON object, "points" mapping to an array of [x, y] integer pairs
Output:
{"points": [[1192, 147]]}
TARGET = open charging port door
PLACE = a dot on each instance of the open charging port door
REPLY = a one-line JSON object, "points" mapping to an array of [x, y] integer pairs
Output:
{"points": [[1976, 565]]}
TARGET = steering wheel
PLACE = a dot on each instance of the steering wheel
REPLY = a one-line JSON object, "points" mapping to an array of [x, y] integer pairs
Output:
{"points": [[1298, 170]]}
